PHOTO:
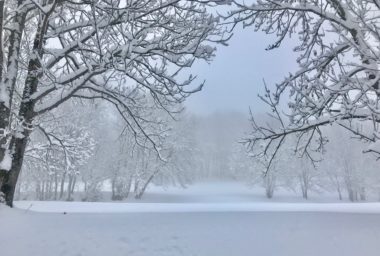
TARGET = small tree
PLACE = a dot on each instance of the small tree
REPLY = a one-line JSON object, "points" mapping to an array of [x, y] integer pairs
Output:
{"points": [[347, 170]]}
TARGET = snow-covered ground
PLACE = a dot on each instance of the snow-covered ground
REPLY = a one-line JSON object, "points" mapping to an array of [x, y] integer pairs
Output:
{"points": [[204, 220]]}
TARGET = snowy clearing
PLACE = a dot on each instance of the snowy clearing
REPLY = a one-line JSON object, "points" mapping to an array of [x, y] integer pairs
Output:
{"points": [[95, 123], [199, 234], [87, 207], [224, 222]]}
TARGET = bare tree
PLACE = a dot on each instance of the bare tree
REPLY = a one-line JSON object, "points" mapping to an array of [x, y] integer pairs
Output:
{"points": [[338, 76], [128, 53], [59, 146], [346, 169]]}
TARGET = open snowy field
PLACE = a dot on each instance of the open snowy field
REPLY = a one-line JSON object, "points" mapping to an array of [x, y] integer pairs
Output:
{"points": [[224, 222]]}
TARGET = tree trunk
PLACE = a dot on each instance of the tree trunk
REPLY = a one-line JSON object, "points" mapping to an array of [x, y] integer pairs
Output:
{"points": [[4, 110], [55, 186], [18, 190], [10, 178], [69, 188], [351, 194], [62, 185], [18, 143], [142, 190], [136, 187], [1, 37], [129, 185], [269, 193], [73, 184], [113, 186], [339, 193], [7, 84], [51, 195], [363, 196], [305, 194], [38, 189], [270, 182], [42, 198]]}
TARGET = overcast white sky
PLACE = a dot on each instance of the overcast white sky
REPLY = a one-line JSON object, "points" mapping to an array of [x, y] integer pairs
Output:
{"points": [[235, 77]]}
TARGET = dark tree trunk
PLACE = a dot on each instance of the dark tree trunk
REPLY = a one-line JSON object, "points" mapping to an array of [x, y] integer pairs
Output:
{"points": [[73, 184], [43, 191], [304, 188], [26, 112], [18, 190], [142, 190], [10, 177], [269, 193], [113, 188], [363, 196], [1, 37], [38, 189], [339, 193], [305, 194], [62, 185], [136, 188], [8, 82], [50, 189], [55, 186], [69, 188], [128, 189], [352, 195]]}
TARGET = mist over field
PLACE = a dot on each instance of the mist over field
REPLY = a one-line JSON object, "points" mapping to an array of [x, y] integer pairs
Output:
{"points": [[176, 127]]}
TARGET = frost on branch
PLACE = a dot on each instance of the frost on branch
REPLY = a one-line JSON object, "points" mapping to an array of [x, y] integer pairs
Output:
{"points": [[337, 81], [126, 53]]}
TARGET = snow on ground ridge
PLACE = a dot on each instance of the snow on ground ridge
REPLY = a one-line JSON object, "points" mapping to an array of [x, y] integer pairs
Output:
{"points": [[205, 197]]}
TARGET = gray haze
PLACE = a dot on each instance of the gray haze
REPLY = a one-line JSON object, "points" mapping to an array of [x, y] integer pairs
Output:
{"points": [[235, 77]]}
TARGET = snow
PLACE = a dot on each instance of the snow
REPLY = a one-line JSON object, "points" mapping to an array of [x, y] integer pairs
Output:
{"points": [[206, 197], [87, 207], [201, 234], [6, 163], [223, 222]]}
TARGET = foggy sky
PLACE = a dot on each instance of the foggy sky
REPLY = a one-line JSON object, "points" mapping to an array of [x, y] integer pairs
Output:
{"points": [[235, 77]]}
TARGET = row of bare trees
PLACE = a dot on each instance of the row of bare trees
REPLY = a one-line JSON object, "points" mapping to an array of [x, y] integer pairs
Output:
{"points": [[89, 160], [341, 170]]}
